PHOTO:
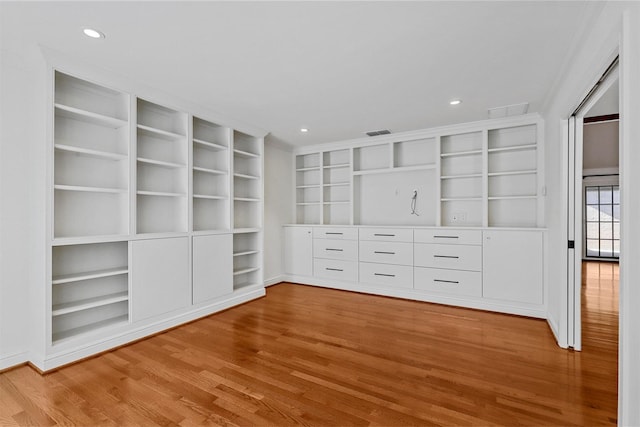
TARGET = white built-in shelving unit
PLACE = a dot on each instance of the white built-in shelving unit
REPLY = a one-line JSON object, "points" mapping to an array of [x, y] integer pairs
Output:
{"points": [[155, 218], [483, 174]]}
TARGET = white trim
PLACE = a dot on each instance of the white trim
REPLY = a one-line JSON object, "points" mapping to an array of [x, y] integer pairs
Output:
{"points": [[538, 311], [13, 360], [274, 280], [553, 325], [629, 338]]}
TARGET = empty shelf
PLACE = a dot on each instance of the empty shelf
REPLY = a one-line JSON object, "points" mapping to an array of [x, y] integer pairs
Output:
{"points": [[85, 304], [88, 116], [96, 274]]}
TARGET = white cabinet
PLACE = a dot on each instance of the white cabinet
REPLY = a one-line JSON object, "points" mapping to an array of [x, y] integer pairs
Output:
{"points": [[298, 251], [488, 269], [160, 273], [212, 267], [513, 266]]}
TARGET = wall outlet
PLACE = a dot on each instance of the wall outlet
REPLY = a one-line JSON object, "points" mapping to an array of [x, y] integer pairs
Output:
{"points": [[459, 217]]}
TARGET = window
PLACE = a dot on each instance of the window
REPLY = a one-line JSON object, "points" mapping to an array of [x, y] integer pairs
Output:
{"points": [[602, 221]]}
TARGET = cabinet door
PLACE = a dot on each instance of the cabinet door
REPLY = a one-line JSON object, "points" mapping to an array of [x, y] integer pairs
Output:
{"points": [[212, 267], [513, 266], [160, 277], [298, 251]]}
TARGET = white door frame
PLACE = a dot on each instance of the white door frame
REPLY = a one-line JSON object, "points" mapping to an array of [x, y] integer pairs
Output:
{"points": [[575, 217]]}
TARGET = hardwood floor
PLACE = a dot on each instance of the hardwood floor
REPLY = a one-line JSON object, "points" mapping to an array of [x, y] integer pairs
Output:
{"points": [[314, 356]]}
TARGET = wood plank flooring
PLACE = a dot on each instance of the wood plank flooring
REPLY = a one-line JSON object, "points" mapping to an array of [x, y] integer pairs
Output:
{"points": [[313, 356]]}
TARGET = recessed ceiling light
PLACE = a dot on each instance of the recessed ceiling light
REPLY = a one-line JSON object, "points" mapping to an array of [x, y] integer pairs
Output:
{"points": [[304, 130], [94, 34], [455, 102]]}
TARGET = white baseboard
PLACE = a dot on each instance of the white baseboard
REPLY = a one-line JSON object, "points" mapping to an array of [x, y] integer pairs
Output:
{"points": [[555, 330], [275, 280], [537, 311], [9, 361]]}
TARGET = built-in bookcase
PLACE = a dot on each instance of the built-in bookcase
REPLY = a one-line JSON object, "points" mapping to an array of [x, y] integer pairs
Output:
{"points": [[483, 175], [90, 288], [135, 186], [91, 155], [211, 157], [162, 180]]}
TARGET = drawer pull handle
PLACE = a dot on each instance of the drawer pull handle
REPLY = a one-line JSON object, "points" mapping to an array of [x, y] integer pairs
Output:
{"points": [[332, 249], [339, 234], [333, 269], [445, 237], [384, 252], [384, 275], [446, 256], [446, 281], [384, 235]]}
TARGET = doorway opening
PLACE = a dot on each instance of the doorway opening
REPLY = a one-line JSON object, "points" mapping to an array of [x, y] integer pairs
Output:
{"points": [[594, 220]]}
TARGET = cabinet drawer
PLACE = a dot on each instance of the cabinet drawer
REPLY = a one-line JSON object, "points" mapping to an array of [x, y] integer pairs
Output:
{"points": [[335, 233], [336, 269], [394, 276], [446, 236], [386, 252], [335, 249], [387, 234], [468, 283], [457, 257]]}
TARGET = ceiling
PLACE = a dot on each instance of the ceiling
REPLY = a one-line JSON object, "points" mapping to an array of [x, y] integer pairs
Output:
{"points": [[337, 68]]}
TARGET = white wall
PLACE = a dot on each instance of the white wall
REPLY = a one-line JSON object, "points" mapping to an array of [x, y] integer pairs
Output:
{"points": [[22, 181], [592, 56], [278, 199], [600, 145]]}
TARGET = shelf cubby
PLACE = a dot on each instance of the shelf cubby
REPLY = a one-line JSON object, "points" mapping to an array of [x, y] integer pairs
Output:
{"points": [[308, 161], [161, 212], [461, 144], [81, 97], [90, 288], [90, 213], [371, 157], [161, 122], [513, 212], [336, 159], [462, 212], [337, 213], [461, 188], [512, 185], [419, 152], [513, 138]]}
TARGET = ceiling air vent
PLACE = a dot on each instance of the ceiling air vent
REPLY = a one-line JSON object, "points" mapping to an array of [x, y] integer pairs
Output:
{"points": [[508, 110], [378, 132]]}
